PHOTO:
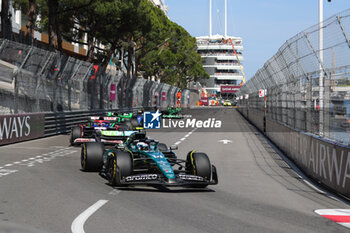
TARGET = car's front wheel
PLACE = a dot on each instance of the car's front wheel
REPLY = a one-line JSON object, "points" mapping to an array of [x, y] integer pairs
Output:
{"points": [[198, 164], [119, 166]]}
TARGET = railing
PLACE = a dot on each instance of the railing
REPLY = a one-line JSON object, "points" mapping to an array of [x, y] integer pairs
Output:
{"points": [[221, 64], [289, 112], [227, 74], [291, 77], [228, 54], [35, 80], [61, 123]]}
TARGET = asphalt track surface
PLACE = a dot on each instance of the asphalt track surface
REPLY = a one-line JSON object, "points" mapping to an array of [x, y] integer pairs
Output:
{"points": [[42, 186]]}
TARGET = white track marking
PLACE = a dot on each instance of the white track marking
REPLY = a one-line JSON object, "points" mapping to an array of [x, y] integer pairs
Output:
{"points": [[5, 172], [114, 192], [184, 137], [58, 147], [78, 223], [30, 148], [39, 159], [338, 212]]}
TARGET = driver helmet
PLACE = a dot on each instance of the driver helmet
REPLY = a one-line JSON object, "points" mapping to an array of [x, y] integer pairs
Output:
{"points": [[142, 146], [100, 123]]}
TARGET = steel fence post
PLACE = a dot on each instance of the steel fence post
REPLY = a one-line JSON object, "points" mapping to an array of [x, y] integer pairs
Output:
{"points": [[15, 77]]}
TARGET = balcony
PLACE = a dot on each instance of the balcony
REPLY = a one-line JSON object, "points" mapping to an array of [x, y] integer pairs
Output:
{"points": [[227, 76], [218, 46], [222, 66]]}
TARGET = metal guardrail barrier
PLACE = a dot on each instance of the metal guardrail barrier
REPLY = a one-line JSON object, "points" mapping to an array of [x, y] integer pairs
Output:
{"points": [[291, 80], [283, 101], [36, 80], [22, 127], [61, 123]]}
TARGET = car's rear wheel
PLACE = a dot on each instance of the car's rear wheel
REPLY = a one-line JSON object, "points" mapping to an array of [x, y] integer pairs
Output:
{"points": [[92, 156], [75, 133], [119, 167], [198, 164]]}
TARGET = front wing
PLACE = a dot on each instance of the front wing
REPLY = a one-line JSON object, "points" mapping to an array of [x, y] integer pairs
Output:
{"points": [[156, 179]]}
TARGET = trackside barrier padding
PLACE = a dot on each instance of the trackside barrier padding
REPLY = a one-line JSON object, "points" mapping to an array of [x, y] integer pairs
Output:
{"points": [[322, 160], [23, 127]]}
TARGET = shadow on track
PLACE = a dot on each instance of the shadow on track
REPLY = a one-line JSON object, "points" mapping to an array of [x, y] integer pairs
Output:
{"points": [[162, 189]]}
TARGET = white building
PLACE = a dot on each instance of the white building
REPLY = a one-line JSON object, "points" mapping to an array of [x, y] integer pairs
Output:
{"points": [[161, 5], [219, 60]]}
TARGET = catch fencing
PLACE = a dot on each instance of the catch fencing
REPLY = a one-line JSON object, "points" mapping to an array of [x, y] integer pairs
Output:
{"points": [[35, 80], [291, 81]]}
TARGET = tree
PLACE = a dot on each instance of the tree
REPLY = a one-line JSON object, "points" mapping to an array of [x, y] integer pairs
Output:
{"points": [[31, 18], [168, 52], [136, 28]]}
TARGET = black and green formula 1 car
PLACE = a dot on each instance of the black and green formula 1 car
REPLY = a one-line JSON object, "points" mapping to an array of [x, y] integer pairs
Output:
{"points": [[172, 113], [134, 119], [144, 161], [105, 129]]}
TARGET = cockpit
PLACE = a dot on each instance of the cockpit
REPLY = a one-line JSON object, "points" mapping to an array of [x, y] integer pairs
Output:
{"points": [[147, 145]]}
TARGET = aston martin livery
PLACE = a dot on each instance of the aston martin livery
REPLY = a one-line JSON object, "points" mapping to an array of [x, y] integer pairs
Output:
{"points": [[144, 161]]}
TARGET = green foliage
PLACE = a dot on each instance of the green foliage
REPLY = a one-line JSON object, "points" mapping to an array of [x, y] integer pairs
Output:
{"points": [[168, 52], [164, 50]]}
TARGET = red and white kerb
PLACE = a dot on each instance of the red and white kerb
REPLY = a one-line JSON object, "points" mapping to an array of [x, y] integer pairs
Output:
{"points": [[340, 216]]}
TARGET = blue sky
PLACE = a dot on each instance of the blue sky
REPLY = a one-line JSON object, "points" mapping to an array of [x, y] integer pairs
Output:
{"points": [[264, 25]]}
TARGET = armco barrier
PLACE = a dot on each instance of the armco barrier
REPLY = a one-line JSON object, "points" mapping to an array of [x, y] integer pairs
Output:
{"points": [[324, 161], [23, 127]]}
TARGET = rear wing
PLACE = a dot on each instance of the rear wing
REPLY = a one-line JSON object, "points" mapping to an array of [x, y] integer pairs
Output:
{"points": [[115, 137], [92, 118], [114, 133]]}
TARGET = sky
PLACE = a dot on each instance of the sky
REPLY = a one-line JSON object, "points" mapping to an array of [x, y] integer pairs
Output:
{"points": [[264, 25]]}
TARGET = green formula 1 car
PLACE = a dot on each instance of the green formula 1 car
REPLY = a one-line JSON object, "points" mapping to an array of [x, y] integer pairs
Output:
{"points": [[144, 161]]}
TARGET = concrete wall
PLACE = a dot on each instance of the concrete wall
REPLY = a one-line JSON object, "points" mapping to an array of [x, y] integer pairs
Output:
{"points": [[322, 160]]}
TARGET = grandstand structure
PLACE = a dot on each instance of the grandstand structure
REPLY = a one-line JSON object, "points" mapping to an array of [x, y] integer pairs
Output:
{"points": [[221, 62]]}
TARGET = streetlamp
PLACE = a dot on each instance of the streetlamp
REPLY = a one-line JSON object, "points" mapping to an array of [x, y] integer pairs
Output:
{"points": [[320, 48], [321, 78]]}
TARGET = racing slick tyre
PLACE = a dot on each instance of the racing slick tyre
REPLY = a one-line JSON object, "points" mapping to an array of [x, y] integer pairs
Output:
{"points": [[162, 147], [198, 164], [92, 156], [75, 133], [119, 166]]}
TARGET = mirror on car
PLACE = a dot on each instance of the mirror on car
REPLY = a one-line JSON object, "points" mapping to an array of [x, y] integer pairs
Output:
{"points": [[173, 147]]}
